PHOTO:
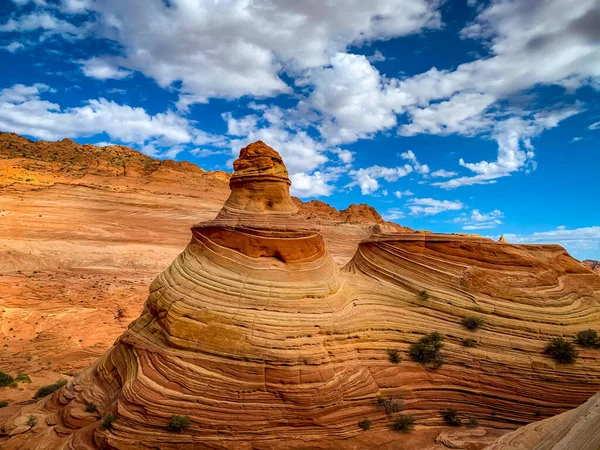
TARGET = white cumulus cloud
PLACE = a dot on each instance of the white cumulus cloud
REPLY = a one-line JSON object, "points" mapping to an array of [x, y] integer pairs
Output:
{"points": [[23, 111], [367, 178], [401, 194], [233, 48], [102, 69], [480, 221], [430, 206]]}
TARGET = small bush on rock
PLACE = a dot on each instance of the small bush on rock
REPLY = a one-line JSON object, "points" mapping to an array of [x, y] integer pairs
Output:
{"points": [[179, 423], [90, 407], [31, 421], [452, 417], [561, 350], [6, 379], [107, 422], [588, 338], [391, 404], [3, 404], [424, 295], [394, 356], [469, 342], [427, 350], [472, 323], [473, 422], [23, 378], [404, 423], [44, 391], [365, 424]]}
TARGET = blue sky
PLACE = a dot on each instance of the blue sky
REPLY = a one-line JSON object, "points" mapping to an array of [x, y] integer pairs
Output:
{"points": [[455, 116]]}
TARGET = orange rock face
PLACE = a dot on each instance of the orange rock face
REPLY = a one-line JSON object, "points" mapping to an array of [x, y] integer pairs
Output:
{"points": [[354, 214], [81, 238], [256, 334], [576, 429], [594, 265], [260, 184]]}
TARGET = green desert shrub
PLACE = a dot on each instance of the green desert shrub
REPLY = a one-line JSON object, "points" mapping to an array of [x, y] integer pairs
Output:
{"points": [[44, 391], [424, 295], [394, 356], [31, 421], [107, 422], [365, 424], [3, 404], [561, 350], [391, 404], [23, 378], [90, 407], [473, 422], [427, 350], [472, 323], [588, 338], [6, 379], [179, 423], [469, 342], [451, 417], [404, 423]]}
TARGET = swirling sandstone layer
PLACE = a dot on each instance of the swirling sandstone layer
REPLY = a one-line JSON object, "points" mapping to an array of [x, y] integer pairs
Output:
{"points": [[578, 429], [257, 336], [525, 294]]}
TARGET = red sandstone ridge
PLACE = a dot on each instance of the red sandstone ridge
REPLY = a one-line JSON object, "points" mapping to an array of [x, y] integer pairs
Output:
{"points": [[354, 214], [43, 164], [75, 161], [592, 264], [257, 335]]}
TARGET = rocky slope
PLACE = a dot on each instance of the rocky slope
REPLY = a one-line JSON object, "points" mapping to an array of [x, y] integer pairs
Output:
{"points": [[79, 246], [256, 334], [576, 429], [592, 264], [41, 164], [321, 212], [73, 160]]}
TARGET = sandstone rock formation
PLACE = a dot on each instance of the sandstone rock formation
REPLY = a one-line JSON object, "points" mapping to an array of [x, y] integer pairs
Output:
{"points": [[79, 247], [77, 160], [592, 264], [42, 164], [576, 429], [354, 214], [256, 334]]}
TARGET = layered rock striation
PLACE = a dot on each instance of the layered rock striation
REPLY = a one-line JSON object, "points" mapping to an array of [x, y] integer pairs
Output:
{"points": [[576, 429], [257, 335]]}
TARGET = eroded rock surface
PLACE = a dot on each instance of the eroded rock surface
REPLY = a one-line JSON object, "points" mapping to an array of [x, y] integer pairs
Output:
{"points": [[256, 334], [577, 429], [593, 264]]}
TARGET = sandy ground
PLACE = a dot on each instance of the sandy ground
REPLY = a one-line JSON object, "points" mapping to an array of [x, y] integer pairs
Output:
{"points": [[75, 266]]}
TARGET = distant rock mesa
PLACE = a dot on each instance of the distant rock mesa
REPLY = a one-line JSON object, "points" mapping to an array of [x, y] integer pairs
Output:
{"points": [[592, 264]]}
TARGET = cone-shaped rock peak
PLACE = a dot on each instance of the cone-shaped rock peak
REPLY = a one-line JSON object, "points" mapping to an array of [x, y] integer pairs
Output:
{"points": [[259, 160], [260, 183], [260, 219]]}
